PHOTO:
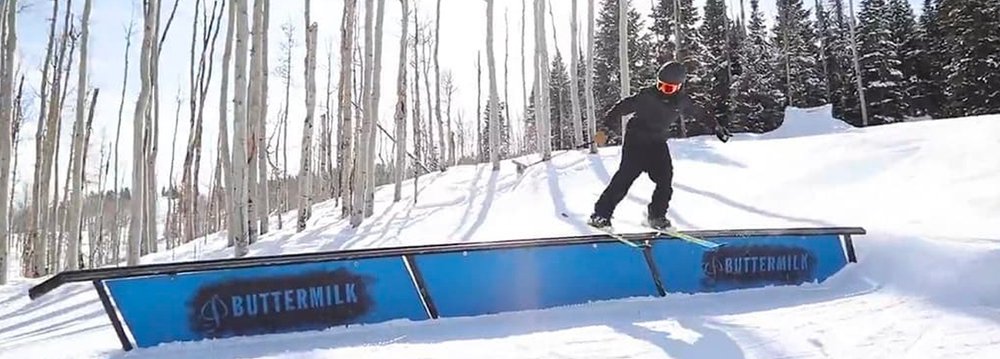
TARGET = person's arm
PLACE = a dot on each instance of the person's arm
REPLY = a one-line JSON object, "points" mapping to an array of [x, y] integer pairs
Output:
{"points": [[691, 108], [612, 118]]}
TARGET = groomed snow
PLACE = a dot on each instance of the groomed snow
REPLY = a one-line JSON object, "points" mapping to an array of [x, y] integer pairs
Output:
{"points": [[925, 287]]}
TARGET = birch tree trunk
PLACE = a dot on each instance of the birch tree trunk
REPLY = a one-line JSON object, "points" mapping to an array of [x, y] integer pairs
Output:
{"points": [[677, 54], [857, 67], [138, 131], [588, 82], [361, 154], [401, 106], [506, 85], [264, 208], [305, 177], [346, 142], [233, 224], [543, 125], [6, 113], [75, 205], [437, 89], [573, 86], [524, 76], [417, 147], [376, 94], [623, 61], [253, 120], [238, 186], [116, 234], [33, 249], [494, 126]]}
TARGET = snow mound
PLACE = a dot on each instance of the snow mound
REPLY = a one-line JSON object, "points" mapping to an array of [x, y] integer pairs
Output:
{"points": [[801, 122]]}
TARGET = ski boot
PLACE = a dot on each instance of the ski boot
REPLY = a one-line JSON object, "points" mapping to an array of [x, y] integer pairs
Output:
{"points": [[598, 221], [659, 223]]}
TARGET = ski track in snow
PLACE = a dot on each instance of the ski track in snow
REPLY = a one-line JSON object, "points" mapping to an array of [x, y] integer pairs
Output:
{"points": [[925, 285]]}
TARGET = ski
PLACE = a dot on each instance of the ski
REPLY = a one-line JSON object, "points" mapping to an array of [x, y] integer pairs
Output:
{"points": [[702, 242], [614, 235], [620, 238]]}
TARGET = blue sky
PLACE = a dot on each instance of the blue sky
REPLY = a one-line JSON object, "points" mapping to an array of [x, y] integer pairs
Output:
{"points": [[462, 34]]}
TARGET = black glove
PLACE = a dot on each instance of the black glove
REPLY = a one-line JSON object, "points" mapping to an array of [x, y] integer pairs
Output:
{"points": [[722, 133]]}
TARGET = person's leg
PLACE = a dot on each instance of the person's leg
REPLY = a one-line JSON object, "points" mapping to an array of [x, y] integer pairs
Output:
{"points": [[628, 171], [661, 171]]}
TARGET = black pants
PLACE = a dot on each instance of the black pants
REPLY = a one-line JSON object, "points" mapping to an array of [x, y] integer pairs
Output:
{"points": [[654, 160]]}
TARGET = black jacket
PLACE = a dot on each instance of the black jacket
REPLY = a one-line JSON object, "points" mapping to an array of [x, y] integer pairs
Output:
{"points": [[654, 112]]}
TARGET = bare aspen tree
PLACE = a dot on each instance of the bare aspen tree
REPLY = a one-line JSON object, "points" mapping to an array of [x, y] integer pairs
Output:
{"points": [[201, 74], [326, 130], [623, 61], [263, 198], [449, 89], [116, 234], [574, 88], [479, 110], [305, 176], [229, 193], [285, 71], [253, 120], [183, 217], [416, 100], [17, 122], [431, 146], [506, 86], [494, 126], [437, 88], [6, 104], [33, 250], [75, 205], [588, 82], [74, 217], [400, 167], [361, 152], [346, 142], [857, 67], [139, 129], [542, 68], [524, 76], [239, 182], [376, 94]]}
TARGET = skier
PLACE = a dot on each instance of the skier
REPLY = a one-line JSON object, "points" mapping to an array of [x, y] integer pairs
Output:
{"points": [[645, 144]]}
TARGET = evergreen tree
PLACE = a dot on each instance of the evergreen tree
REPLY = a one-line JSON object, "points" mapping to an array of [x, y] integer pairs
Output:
{"points": [[530, 132], [902, 23], [757, 99], [560, 106], [798, 67], [881, 69], [836, 33], [642, 67], [663, 33], [691, 54], [927, 94], [715, 72], [504, 144], [970, 32]]}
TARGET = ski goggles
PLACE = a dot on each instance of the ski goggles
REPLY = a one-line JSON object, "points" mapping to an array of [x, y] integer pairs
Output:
{"points": [[667, 88]]}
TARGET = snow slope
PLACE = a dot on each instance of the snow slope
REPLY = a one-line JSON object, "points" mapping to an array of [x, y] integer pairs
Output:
{"points": [[925, 286]]}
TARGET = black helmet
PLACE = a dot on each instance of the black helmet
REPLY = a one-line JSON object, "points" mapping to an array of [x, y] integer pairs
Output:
{"points": [[672, 72]]}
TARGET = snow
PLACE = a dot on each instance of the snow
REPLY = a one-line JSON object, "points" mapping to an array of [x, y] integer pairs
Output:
{"points": [[924, 288]]}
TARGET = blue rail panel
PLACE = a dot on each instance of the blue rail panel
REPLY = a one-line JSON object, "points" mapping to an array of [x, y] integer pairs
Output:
{"points": [[266, 299], [747, 262], [493, 281]]}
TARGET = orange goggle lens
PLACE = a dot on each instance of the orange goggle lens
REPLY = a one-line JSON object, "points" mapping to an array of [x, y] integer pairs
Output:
{"points": [[668, 88]]}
